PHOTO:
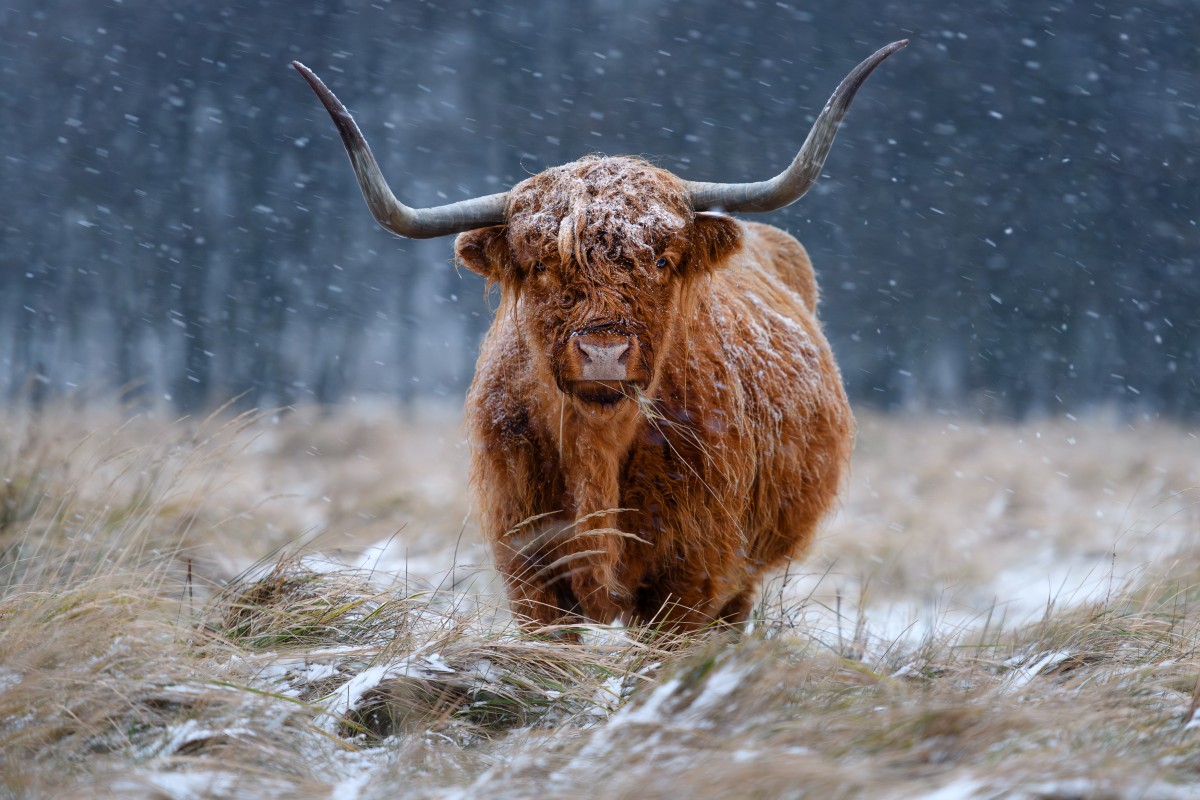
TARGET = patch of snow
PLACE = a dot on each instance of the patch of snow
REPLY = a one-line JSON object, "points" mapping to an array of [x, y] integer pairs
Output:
{"points": [[9, 678], [346, 697], [647, 712], [317, 672], [435, 663], [959, 789], [608, 697], [178, 736], [193, 785], [349, 788], [606, 635], [1033, 668], [1086, 787], [719, 685], [389, 558]]}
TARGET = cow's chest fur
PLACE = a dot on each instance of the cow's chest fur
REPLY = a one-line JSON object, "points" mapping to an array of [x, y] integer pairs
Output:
{"points": [[683, 483], [686, 485]]}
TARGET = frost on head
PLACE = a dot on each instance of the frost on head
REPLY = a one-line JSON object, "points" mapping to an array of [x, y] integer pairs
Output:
{"points": [[606, 209]]}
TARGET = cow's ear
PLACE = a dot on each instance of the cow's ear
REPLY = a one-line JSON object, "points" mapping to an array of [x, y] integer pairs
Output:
{"points": [[714, 238], [484, 251]]}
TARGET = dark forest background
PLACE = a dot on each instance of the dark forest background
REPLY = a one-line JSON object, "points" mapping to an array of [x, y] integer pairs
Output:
{"points": [[1007, 222]]}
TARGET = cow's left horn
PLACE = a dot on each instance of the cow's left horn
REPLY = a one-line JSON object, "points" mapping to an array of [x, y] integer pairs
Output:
{"points": [[415, 223], [791, 184]]}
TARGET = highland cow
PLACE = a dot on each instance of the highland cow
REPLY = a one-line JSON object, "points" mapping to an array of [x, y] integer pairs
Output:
{"points": [[656, 418]]}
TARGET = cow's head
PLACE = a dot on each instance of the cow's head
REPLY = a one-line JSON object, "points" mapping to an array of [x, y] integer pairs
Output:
{"points": [[599, 250]]}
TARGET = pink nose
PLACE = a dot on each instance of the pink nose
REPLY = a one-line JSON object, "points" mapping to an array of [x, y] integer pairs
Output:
{"points": [[603, 358]]}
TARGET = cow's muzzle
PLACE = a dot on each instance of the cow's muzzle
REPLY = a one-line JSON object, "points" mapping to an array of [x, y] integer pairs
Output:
{"points": [[602, 366], [604, 356]]}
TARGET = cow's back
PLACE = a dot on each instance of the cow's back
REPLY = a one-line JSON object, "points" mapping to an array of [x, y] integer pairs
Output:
{"points": [[779, 252]]}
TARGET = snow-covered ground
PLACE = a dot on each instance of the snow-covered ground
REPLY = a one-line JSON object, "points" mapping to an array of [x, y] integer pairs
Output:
{"points": [[995, 611]]}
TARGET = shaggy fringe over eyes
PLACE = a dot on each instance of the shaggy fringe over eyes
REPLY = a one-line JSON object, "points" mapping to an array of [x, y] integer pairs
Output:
{"points": [[613, 208]]}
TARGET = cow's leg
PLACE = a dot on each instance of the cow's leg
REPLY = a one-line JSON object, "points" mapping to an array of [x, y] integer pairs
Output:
{"points": [[690, 606], [594, 580], [564, 573], [659, 609], [736, 612], [539, 596], [519, 501], [591, 551]]}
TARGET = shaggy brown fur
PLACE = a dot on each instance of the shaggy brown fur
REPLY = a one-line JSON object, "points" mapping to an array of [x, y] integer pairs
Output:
{"points": [[666, 496]]}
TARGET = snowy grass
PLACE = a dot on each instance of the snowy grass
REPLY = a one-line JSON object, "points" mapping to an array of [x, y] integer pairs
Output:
{"points": [[299, 605]]}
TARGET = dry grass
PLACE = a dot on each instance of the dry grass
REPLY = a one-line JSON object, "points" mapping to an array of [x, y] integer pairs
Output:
{"points": [[298, 606]]}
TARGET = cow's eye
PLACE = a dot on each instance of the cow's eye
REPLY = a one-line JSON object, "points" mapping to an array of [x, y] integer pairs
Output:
{"points": [[539, 267], [661, 263]]}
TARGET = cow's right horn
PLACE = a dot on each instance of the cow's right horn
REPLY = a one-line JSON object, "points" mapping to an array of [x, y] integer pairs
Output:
{"points": [[791, 184], [415, 223]]}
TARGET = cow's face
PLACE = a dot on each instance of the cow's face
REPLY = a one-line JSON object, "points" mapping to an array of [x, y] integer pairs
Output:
{"points": [[599, 253]]}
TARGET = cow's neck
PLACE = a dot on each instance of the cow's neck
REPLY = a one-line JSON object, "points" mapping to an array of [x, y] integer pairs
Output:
{"points": [[592, 442]]}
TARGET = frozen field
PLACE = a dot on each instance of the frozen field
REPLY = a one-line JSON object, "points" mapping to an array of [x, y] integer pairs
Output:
{"points": [[300, 605]]}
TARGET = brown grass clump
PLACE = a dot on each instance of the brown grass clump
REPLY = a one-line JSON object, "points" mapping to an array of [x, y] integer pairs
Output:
{"points": [[161, 635]]}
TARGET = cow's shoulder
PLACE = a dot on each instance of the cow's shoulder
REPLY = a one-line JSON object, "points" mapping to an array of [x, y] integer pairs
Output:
{"points": [[764, 331], [780, 254], [502, 401]]}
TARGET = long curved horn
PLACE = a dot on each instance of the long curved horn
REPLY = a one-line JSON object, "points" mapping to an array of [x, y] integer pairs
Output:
{"points": [[415, 223], [791, 184]]}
